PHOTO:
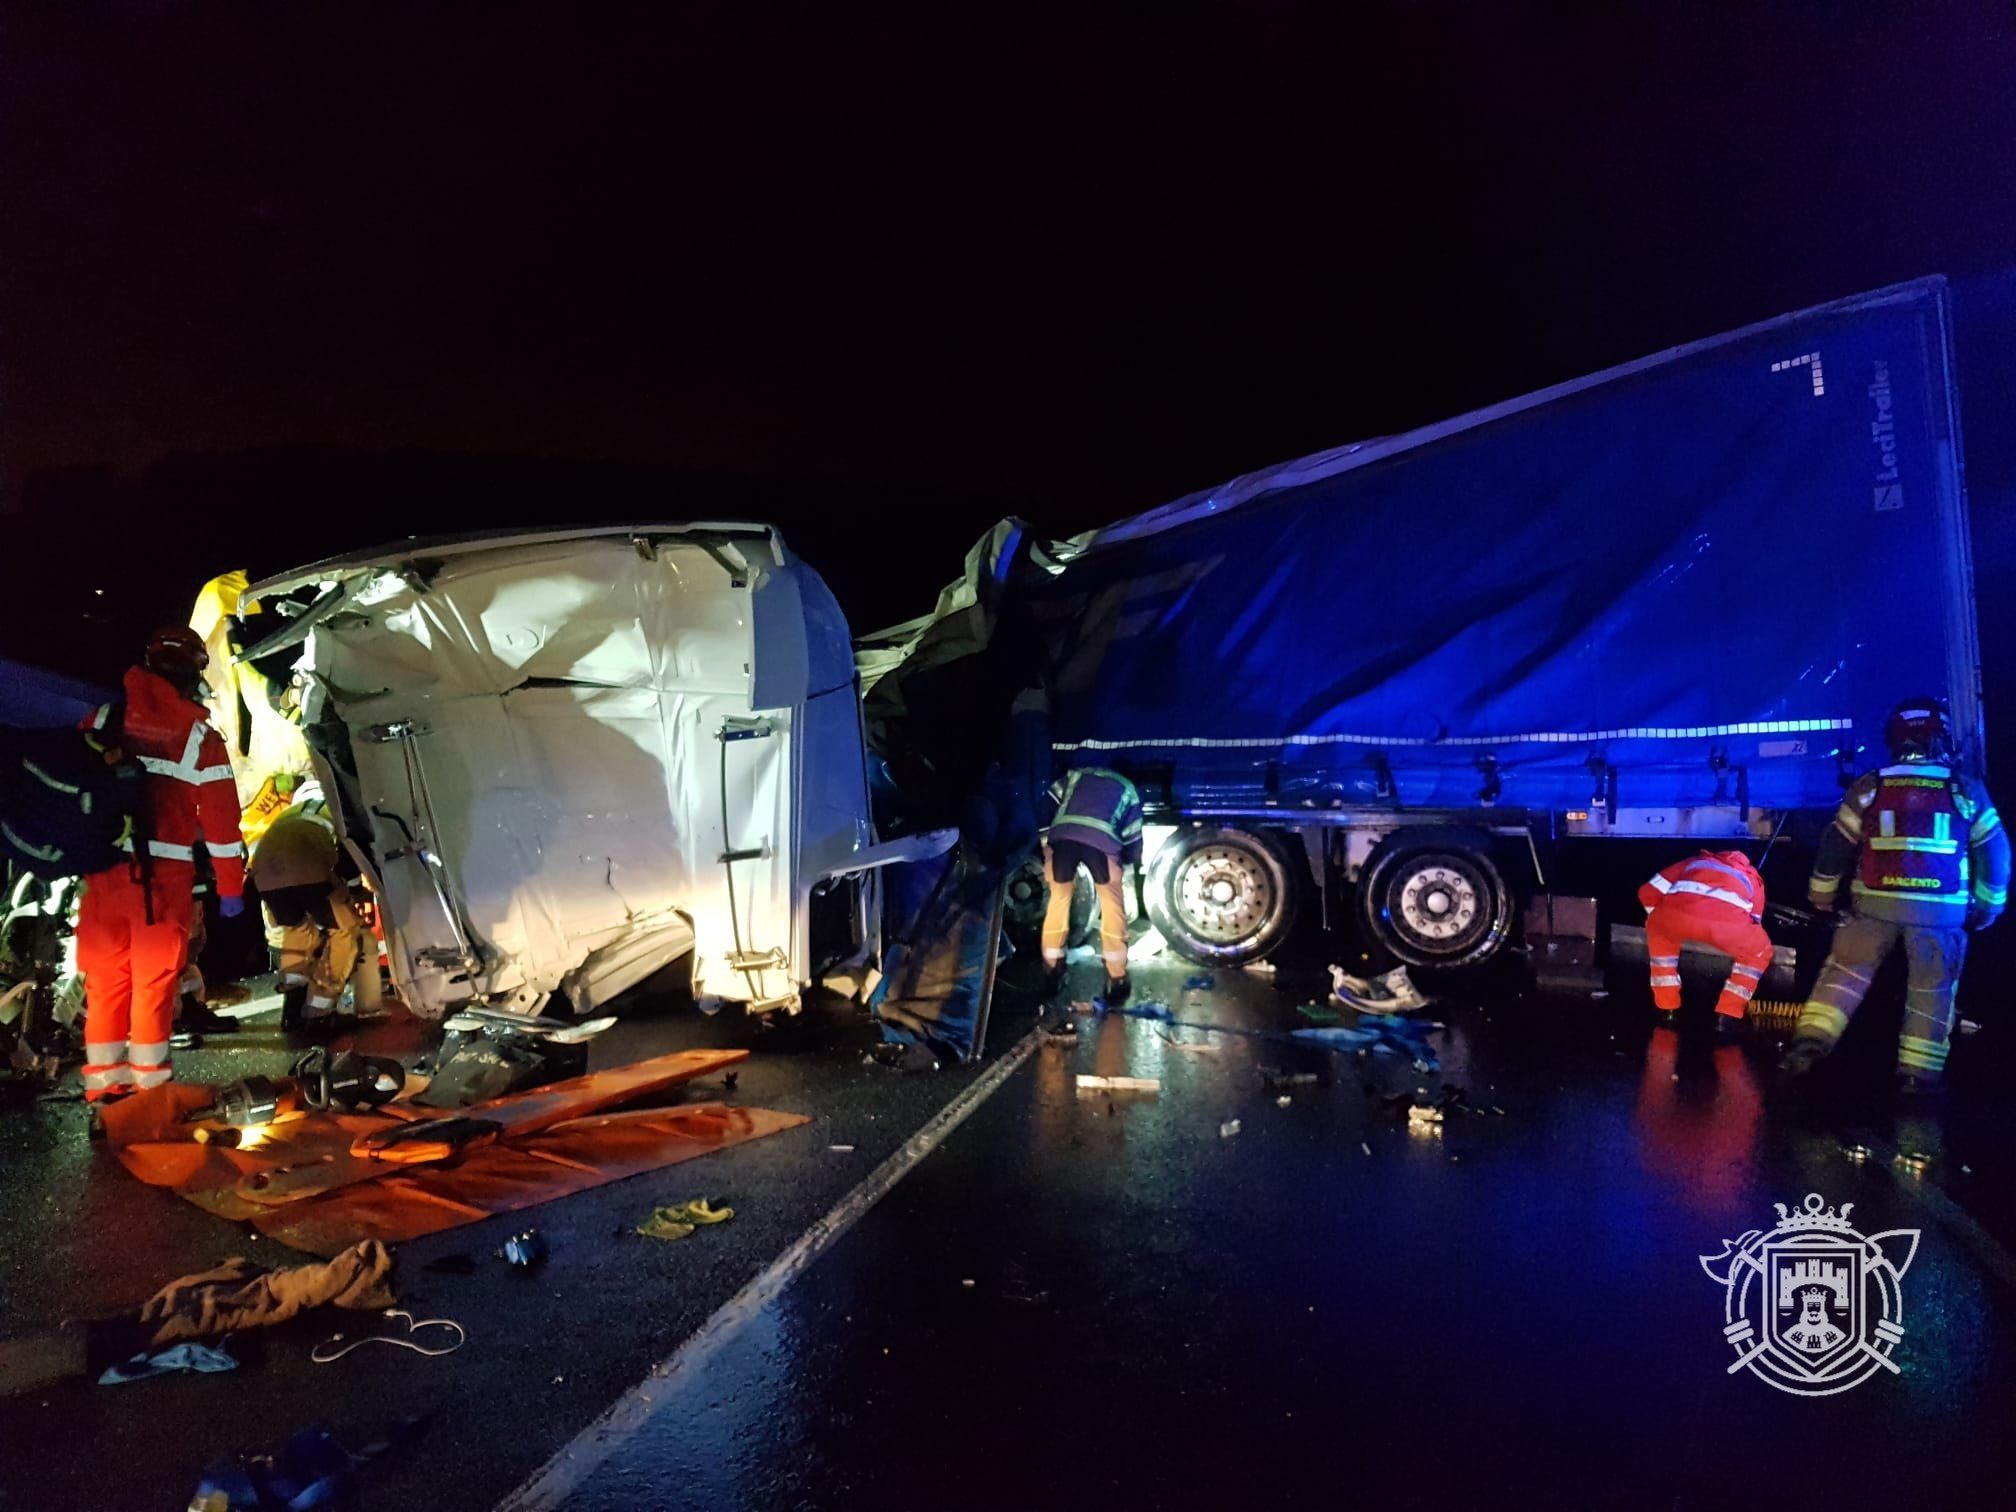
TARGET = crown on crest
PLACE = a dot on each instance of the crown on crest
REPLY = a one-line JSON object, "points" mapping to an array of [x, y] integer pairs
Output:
{"points": [[1814, 1214]]}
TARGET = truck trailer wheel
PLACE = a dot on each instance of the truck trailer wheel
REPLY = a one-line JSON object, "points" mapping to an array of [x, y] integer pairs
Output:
{"points": [[1223, 896], [1027, 897], [1435, 899]]}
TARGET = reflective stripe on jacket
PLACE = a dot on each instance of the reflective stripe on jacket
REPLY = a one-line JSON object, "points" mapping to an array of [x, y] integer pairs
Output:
{"points": [[1099, 808], [191, 800], [1720, 876]]}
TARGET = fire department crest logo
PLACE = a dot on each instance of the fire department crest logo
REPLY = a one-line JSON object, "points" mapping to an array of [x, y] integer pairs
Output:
{"points": [[1814, 1307]]}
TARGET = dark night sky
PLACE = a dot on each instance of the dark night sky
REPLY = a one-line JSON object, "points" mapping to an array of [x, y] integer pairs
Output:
{"points": [[887, 275]]}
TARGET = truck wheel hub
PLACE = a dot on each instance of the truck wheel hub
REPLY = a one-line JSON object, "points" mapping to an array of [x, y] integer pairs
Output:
{"points": [[1223, 893], [1438, 903]]}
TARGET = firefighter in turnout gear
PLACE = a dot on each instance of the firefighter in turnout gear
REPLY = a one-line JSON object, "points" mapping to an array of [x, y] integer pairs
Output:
{"points": [[312, 918], [134, 924], [1715, 899], [1930, 861], [1096, 824]]}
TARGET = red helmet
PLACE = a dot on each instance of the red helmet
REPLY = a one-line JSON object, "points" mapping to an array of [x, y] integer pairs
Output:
{"points": [[1917, 727], [175, 648]]}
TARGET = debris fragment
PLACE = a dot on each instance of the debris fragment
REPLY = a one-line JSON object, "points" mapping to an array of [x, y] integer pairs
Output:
{"points": [[1365, 1147], [1394, 992], [1914, 1162], [840, 1149], [1969, 1026], [1229, 1129], [1283, 1100], [526, 1250], [967, 1281], [1857, 1154], [1418, 1115], [1119, 1083]]}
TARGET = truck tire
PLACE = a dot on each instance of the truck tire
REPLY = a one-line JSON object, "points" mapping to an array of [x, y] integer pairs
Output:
{"points": [[1435, 898], [1223, 896], [1027, 898]]}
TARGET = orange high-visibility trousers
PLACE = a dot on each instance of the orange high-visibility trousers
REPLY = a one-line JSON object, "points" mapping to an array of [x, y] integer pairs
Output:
{"points": [[132, 975], [1686, 919]]}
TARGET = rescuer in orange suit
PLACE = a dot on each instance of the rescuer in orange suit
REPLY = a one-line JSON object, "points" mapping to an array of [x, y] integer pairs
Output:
{"points": [[134, 923], [1714, 899]]}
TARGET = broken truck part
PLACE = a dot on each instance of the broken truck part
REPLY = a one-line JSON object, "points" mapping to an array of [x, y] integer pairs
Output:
{"points": [[565, 760]]}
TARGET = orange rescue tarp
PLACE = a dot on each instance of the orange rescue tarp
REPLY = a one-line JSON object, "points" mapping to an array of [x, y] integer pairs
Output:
{"points": [[304, 1156], [517, 1173]]}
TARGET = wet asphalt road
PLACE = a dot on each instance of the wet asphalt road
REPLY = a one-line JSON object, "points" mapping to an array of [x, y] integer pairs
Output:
{"points": [[1098, 1302], [1507, 1312]]}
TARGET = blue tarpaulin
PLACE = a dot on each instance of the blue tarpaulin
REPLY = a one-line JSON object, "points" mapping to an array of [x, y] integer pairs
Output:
{"points": [[1734, 557]]}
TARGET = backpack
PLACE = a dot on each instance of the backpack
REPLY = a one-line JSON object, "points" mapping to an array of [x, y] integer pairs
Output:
{"points": [[68, 798]]}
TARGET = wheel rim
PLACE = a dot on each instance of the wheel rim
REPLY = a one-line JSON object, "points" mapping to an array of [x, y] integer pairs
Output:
{"points": [[1223, 893], [1440, 905]]}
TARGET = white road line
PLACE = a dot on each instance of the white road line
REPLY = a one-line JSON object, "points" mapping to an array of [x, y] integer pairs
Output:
{"points": [[555, 1481]]}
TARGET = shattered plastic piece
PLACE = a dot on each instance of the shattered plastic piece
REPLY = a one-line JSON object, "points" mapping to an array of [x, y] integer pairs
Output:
{"points": [[840, 1149], [1600, 993], [1283, 1100], [681, 1219], [1365, 1147], [524, 1250], [1229, 1129], [191, 1357], [1421, 1115], [1119, 1084], [1259, 968], [1968, 1026], [1394, 992]]}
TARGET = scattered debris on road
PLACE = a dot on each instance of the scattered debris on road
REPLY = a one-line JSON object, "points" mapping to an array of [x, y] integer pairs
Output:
{"points": [[336, 1346], [681, 1219], [1229, 1129], [1119, 1084], [524, 1251]]}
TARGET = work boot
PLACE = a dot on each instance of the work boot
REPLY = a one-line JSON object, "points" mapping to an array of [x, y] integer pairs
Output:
{"points": [[197, 1018], [1053, 982], [1803, 1056], [293, 1004], [1117, 990], [1665, 1018], [1728, 1030]]}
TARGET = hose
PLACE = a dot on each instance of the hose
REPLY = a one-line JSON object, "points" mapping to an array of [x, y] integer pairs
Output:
{"points": [[413, 1326]]}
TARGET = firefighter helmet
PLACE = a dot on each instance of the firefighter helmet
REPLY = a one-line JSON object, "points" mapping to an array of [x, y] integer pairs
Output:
{"points": [[1917, 727], [175, 649]]}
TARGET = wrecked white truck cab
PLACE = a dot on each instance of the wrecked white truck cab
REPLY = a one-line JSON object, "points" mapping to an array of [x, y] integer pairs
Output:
{"points": [[567, 759]]}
